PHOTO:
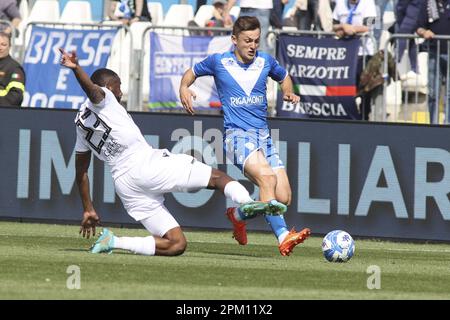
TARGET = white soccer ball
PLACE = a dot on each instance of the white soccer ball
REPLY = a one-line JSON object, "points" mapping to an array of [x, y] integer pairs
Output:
{"points": [[338, 246]]}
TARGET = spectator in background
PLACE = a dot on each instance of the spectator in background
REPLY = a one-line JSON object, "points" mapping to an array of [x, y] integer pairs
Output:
{"points": [[407, 22], [129, 11], [352, 18], [434, 19], [260, 9], [9, 11], [381, 8], [12, 76], [305, 14], [216, 21], [311, 15], [276, 15], [199, 4]]}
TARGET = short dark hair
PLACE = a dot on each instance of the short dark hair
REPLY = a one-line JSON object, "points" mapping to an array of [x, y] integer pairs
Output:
{"points": [[103, 76], [245, 23], [7, 35]]}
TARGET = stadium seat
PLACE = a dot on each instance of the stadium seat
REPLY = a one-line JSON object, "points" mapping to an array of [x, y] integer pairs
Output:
{"points": [[24, 10], [137, 30], [388, 19], [44, 11], [204, 13], [412, 81], [156, 12], [179, 15], [77, 12], [235, 11], [393, 96]]}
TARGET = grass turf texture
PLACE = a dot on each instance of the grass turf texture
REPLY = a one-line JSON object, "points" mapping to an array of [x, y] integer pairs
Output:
{"points": [[34, 259]]}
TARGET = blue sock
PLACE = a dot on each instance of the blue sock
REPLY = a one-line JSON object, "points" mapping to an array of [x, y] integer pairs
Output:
{"points": [[277, 223]]}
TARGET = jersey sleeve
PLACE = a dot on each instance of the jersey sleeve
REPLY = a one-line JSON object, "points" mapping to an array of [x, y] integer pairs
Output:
{"points": [[205, 67], [277, 72], [108, 96]]}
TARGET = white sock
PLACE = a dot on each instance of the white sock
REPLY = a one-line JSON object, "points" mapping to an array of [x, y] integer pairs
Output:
{"points": [[282, 236], [237, 192], [138, 245]]}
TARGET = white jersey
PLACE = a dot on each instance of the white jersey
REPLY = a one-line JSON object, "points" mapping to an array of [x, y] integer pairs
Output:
{"points": [[355, 15], [258, 4], [110, 133]]}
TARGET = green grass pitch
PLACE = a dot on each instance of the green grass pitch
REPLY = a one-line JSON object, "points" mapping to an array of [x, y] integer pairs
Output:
{"points": [[34, 261]]}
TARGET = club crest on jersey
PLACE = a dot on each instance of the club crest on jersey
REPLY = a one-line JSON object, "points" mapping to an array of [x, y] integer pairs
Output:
{"points": [[228, 62]]}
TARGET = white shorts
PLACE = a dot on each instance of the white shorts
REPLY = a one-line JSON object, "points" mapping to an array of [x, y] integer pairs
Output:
{"points": [[160, 222], [142, 188]]}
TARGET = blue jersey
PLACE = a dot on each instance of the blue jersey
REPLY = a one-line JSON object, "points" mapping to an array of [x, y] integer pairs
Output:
{"points": [[241, 87]]}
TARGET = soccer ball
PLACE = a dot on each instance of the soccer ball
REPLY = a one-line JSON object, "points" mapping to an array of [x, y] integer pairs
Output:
{"points": [[338, 246]]}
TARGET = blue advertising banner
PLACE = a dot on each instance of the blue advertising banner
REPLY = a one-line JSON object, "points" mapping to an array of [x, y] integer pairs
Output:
{"points": [[324, 74], [48, 84], [170, 57]]}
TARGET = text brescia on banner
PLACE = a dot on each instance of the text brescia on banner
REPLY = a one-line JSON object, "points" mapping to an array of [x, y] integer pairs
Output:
{"points": [[48, 84], [324, 74], [170, 57]]}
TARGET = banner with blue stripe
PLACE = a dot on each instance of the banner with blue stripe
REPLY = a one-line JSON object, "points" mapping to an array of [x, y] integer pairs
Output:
{"points": [[50, 86]]}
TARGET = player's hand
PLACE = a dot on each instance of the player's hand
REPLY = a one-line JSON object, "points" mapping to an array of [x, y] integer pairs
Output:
{"points": [[186, 97], [88, 224], [68, 60], [291, 97]]}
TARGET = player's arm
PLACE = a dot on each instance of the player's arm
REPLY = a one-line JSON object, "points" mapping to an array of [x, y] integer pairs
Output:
{"points": [[186, 94], [90, 218], [93, 91], [287, 88]]}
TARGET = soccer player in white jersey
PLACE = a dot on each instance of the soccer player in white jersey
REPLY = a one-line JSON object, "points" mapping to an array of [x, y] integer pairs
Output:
{"points": [[141, 174], [240, 77]]}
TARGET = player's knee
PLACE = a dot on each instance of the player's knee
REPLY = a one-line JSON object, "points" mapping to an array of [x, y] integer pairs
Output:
{"points": [[268, 179], [285, 198], [218, 179], [178, 247]]}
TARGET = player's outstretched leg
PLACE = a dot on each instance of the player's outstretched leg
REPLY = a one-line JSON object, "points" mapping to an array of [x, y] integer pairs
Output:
{"points": [[173, 244], [292, 239], [249, 210], [108, 241], [237, 193], [287, 240]]}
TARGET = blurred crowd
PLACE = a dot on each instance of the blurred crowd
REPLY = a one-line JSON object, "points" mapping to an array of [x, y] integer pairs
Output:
{"points": [[424, 18]]}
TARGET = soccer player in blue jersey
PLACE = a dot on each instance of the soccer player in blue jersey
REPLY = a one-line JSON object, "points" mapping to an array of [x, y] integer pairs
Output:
{"points": [[240, 77]]}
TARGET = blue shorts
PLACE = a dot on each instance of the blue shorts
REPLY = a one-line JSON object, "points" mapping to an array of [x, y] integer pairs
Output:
{"points": [[240, 144]]}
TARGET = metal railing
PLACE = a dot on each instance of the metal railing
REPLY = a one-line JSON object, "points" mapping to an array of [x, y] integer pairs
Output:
{"points": [[426, 54], [170, 30]]}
